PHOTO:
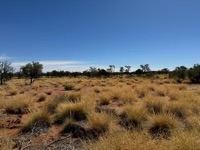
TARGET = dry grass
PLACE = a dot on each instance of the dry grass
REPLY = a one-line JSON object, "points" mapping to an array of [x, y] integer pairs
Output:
{"points": [[69, 87], [148, 114], [77, 111], [105, 99], [162, 125], [155, 106], [99, 121], [72, 127], [133, 117], [126, 140], [36, 119], [6, 142], [177, 109], [18, 105]]}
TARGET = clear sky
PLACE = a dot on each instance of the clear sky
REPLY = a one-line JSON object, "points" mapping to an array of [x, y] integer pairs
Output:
{"points": [[76, 34]]}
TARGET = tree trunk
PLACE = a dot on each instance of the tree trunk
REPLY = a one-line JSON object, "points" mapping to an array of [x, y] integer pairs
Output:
{"points": [[31, 80]]}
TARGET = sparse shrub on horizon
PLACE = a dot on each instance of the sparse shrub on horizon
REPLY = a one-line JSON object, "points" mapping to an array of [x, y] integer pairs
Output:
{"points": [[32, 71], [194, 74]]}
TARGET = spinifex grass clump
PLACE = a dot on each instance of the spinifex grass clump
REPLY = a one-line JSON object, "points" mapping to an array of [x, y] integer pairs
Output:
{"points": [[77, 111], [104, 99], [37, 123], [133, 117], [155, 106], [63, 98], [74, 97], [98, 124], [162, 125], [19, 105], [72, 127], [177, 109], [68, 87], [51, 106]]}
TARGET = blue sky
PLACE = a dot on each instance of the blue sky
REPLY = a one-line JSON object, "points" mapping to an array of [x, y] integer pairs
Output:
{"points": [[76, 34]]}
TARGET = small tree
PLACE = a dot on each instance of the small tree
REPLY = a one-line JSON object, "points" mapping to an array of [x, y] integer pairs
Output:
{"points": [[111, 68], [93, 72], [121, 70], [127, 69], [139, 72], [181, 72], [32, 70], [145, 68], [5, 71], [164, 71]]}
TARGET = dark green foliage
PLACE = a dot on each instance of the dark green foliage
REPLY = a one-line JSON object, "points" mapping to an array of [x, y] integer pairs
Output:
{"points": [[180, 73], [194, 74], [32, 70]]}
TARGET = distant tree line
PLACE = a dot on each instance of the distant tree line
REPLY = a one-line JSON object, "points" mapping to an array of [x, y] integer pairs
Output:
{"points": [[33, 71], [181, 73]]}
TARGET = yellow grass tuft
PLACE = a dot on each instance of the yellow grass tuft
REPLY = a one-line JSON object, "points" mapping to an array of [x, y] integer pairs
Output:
{"points": [[77, 111], [162, 125], [133, 117], [36, 119], [18, 105]]}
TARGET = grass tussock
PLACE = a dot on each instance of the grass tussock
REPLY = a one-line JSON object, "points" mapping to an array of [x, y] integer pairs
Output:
{"points": [[36, 120], [18, 105], [69, 87], [77, 111], [161, 91], [51, 105], [177, 109], [162, 125], [105, 99], [99, 121], [98, 124], [72, 127], [74, 97], [155, 106], [133, 117]]}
